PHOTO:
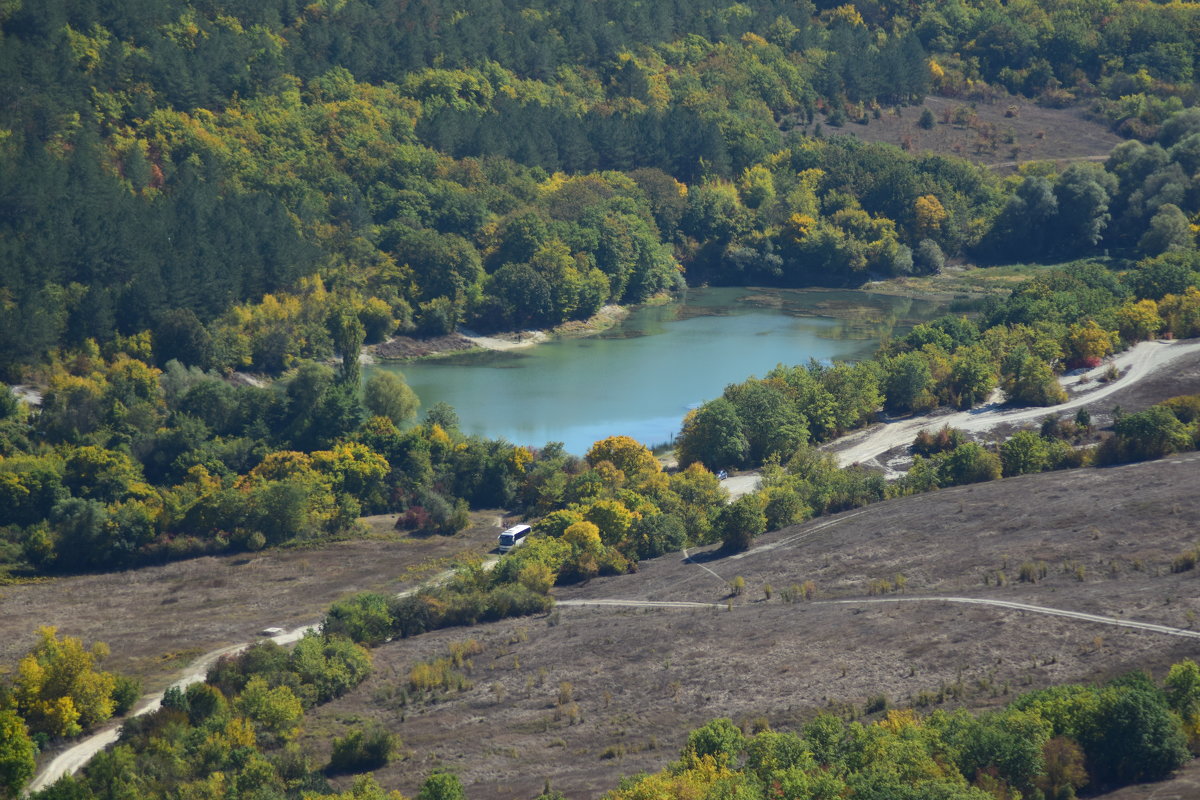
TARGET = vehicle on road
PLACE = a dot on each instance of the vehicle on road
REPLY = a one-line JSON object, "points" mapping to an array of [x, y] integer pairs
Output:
{"points": [[513, 538]]}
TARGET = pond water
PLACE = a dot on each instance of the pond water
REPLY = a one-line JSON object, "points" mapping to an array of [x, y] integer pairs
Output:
{"points": [[640, 378]]}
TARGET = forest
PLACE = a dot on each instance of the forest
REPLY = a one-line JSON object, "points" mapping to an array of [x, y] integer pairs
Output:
{"points": [[525, 166], [191, 190]]}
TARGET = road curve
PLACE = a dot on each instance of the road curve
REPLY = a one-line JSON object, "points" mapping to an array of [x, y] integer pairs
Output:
{"points": [[1136, 363], [797, 537], [77, 755], [740, 485], [978, 601]]}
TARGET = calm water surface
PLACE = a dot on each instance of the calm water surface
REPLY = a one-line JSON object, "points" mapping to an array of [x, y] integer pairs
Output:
{"points": [[640, 378]]}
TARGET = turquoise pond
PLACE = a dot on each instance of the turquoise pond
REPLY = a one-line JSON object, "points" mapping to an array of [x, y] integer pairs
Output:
{"points": [[641, 377]]}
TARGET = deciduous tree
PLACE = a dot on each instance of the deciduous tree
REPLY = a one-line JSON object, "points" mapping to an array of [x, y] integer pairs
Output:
{"points": [[17, 763], [58, 689], [712, 435]]}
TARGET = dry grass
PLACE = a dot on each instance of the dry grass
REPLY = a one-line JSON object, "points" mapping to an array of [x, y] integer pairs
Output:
{"points": [[156, 618], [990, 135], [577, 696]]}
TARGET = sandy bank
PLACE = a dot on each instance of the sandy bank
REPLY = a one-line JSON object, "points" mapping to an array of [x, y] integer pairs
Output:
{"points": [[403, 348]]}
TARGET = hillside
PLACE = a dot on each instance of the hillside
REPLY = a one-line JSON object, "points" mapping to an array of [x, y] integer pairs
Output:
{"points": [[871, 571], [160, 617], [168, 166], [999, 132], [639, 678], [208, 210]]}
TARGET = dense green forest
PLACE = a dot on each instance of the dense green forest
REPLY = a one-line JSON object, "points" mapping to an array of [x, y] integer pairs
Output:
{"points": [[180, 168], [193, 189], [189, 189]]}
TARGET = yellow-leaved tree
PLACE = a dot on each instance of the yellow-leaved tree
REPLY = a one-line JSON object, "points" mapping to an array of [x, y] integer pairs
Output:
{"points": [[58, 689], [626, 454], [930, 216], [17, 763]]}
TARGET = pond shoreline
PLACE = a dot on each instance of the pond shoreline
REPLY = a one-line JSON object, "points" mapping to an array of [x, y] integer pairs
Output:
{"points": [[400, 349], [641, 377]]}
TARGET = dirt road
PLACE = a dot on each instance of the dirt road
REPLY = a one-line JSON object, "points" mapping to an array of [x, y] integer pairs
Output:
{"points": [[75, 757], [977, 601], [1135, 364], [1054, 612], [740, 485]]}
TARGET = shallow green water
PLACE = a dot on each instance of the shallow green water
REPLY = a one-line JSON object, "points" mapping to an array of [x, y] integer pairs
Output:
{"points": [[639, 379]]}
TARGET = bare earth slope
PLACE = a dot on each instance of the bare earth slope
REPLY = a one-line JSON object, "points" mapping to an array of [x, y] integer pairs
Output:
{"points": [[591, 693], [989, 136]]}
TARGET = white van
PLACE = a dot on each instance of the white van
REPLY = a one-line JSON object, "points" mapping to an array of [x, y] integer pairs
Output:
{"points": [[513, 538]]}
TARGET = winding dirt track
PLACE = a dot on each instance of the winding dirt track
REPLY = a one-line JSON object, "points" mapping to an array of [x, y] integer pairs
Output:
{"points": [[1054, 612], [978, 601], [640, 603], [75, 757], [1134, 364]]}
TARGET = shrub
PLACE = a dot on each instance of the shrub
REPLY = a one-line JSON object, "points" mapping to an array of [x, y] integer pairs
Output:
{"points": [[720, 739], [928, 258], [125, 693], [880, 586], [741, 521], [360, 751], [1185, 561], [928, 444], [441, 786], [805, 590], [537, 578], [1024, 453], [1032, 571], [1148, 434], [784, 507], [328, 666], [364, 618], [968, 463], [1186, 408], [1064, 770], [655, 534], [435, 514], [437, 675]]}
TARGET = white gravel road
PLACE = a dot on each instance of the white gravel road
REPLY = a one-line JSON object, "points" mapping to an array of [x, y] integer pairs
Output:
{"points": [[77, 755], [1134, 364]]}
